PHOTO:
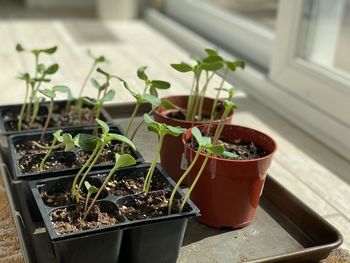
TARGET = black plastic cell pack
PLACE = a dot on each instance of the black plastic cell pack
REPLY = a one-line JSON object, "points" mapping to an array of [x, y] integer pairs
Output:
{"points": [[144, 240]]}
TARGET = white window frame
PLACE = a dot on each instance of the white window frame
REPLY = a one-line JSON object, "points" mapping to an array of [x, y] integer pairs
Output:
{"points": [[325, 90]]}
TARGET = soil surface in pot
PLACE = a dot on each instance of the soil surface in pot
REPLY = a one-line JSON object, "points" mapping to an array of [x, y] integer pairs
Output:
{"points": [[152, 205], [57, 161], [242, 150], [134, 185], [58, 119], [181, 114], [70, 219], [63, 197]]}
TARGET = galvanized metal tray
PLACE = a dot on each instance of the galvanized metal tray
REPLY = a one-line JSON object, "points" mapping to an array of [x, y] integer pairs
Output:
{"points": [[284, 230]]}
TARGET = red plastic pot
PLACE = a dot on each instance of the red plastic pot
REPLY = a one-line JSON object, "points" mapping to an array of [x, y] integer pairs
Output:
{"points": [[228, 191], [173, 149]]}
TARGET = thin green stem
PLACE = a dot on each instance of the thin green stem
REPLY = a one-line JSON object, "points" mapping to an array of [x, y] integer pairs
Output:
{"points": [[87, 78], [92, 156], [184, 175], [190, 98], [40, 146], [114, 169], [97, 116], [220, 126], [137, 106], [140, 124], [212, 114], [23, 107], [32, 94], [150, 172], [47, 154], [77, 193], [47, 121], [87, 200], [202, 95], [35, 112], [187, 195]]}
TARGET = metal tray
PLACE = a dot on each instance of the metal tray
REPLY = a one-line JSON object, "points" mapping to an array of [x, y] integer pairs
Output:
{"points": [[284, 230]]}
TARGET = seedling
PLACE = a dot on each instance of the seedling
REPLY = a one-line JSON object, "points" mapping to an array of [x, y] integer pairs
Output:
{"points": [[148, 95], [96, 60], [121, 161], [91, 190], [98, 145], [102, 90], [40, 75], [209, 65], [28, 82], [65, 140], [51, 94], [204, 144], [161, 130]]}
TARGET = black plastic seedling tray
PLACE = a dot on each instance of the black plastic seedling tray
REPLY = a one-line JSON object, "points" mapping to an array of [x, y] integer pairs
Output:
{"points": [[284, 229], [72, 157], [14, 110], [67, 247]]}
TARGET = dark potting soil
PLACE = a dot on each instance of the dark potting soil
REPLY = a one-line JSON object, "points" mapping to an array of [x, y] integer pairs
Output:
{"points": [[181, 115], [243, 150], [58, 119], [149, 206], [133, 185], [70, 219], [61, 198], [57, 161]]}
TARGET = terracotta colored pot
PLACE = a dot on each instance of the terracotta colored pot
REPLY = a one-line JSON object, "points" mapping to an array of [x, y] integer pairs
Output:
{"points": [[173, 148], [228, 191]]}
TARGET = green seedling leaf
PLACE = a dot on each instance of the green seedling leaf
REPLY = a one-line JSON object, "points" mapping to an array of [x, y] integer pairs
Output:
{"points": [[126, 85], [19, 47], [58, 136], [174, 131], [100, 59], [40, 68], [95, 83], [169, 105], [216, 149], [150, 99], [213, 59], [232, 65], [108, 96], [48, 93], [85, 142], [88, 101], [141, 73], [160, 84], [152, 125], [42, 80], [211, 52], [52, 69], [99, 70], [90, 188], [206, 140], [198, 59], [197, 135], [214, 66], [153, 91], [68, 141], [61, 88], [229, 154], [124, 160], [50, 50], [104, 126], [183, 67], [121, 138], [148, 119], [229, 105], [24, 76]]}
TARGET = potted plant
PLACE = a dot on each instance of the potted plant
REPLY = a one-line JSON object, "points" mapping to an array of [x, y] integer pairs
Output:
{"points": [[189, 110], [229, 189], [123, 208]]}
